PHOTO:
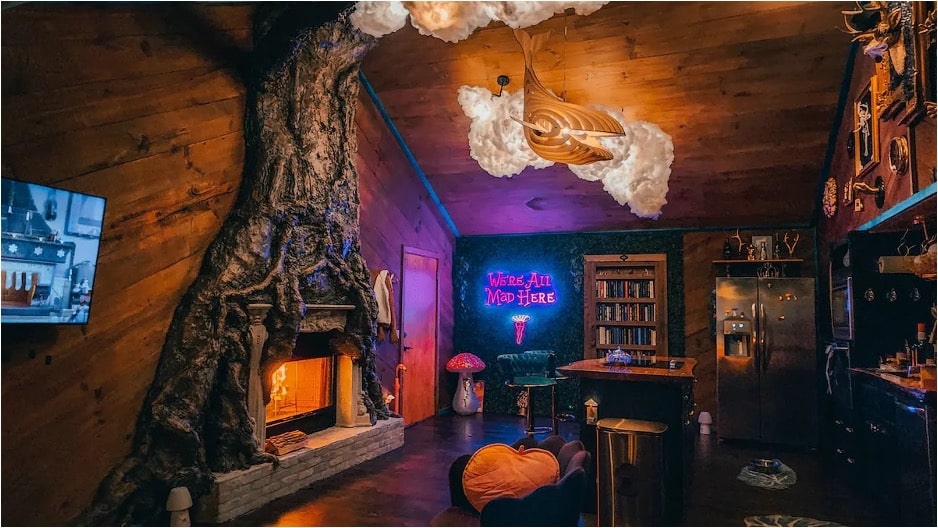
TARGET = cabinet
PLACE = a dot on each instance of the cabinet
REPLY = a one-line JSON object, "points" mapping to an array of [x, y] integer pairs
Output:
{"points": [[625, 305], [895, 454]]}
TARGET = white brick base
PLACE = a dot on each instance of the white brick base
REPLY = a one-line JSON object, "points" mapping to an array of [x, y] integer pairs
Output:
{"points": [[326, 453]]}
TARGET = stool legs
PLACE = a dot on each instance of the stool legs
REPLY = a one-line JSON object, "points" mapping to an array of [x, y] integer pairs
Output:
{"points": [[529, 428], [553, 410], [529, 414]]}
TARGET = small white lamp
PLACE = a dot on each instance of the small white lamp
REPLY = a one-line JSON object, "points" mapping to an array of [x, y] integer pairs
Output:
{"points": [[705, 420], [178, 505]]}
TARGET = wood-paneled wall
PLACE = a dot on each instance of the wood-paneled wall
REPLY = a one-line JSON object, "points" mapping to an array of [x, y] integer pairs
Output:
{"points": [[396, 210], [140, 104], [700, 250]]}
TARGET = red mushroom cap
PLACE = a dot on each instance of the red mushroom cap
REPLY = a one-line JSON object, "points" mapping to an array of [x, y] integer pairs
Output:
{"points": [[465, 362]]}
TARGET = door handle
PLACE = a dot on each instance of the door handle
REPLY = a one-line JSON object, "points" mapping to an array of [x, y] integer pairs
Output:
{"points": [[755, 334], [406, 348], [764, 356]]}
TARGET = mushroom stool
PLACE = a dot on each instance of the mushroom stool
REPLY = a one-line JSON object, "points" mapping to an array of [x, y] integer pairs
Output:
{"points": [[465, 401]]}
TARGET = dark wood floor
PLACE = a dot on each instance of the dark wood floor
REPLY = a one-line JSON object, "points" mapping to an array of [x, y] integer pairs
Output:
{"points": [[407, 487]]}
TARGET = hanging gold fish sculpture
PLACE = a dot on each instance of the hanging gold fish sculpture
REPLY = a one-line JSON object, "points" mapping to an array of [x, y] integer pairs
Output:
{"points": [[555, 129]]}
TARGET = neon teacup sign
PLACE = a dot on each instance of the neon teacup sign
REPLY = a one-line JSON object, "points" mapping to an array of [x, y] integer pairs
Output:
{"points": [[524, 289]]}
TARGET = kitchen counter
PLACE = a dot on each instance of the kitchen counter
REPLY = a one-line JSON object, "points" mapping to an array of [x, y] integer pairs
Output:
{"points": [[597, 369], [908, 386], [652, 393]]}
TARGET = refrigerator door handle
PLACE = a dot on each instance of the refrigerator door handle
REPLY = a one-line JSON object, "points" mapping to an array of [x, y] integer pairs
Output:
{"points": [[755, 334], [764, 355]]}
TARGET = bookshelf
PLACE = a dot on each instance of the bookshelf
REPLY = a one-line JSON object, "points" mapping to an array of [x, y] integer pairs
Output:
{"points": [[625, 305]]}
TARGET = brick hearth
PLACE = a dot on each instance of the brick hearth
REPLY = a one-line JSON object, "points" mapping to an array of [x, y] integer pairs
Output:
{"points": [[326, 453]]}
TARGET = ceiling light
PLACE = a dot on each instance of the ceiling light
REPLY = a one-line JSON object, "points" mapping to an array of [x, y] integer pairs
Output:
{"points": [[555, 129], [633, 160], [455, 21]]}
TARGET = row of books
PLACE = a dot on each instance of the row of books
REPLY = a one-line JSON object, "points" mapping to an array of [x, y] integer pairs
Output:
{"points": [[625, 335], [625, 312], [625, 288]]}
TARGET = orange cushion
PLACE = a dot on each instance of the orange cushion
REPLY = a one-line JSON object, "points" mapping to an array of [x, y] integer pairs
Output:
{"points": [[498, 470]]}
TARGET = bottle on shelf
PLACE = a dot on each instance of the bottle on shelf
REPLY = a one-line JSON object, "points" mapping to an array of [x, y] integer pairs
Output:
{"points": [[922, 350]]}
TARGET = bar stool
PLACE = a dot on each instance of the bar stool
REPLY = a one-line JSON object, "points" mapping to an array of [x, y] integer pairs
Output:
{"points": [[529, 371], [552, 373]]}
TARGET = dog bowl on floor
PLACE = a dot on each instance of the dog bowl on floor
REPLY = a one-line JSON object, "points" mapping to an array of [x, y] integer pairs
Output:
{"points": [[769, 466]]}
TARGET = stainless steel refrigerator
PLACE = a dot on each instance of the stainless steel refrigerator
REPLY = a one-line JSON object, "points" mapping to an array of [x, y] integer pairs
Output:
{"points": [[766, 360]]}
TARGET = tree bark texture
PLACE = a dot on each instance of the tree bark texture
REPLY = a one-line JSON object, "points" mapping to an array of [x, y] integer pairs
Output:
{"points": [[291, 239]]}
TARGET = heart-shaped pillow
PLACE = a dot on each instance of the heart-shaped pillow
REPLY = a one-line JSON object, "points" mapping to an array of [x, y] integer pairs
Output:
{"points": [[498, 470]]}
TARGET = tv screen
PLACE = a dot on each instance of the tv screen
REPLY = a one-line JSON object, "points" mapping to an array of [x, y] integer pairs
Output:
{"points": [[49, 253]]}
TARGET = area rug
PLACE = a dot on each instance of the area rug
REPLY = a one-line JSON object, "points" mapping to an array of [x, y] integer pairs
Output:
{"points": [[785, 477], [785, 520]]}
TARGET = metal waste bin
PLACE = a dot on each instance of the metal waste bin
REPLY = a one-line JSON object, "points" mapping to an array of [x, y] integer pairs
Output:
{"points": [[630, 472]]}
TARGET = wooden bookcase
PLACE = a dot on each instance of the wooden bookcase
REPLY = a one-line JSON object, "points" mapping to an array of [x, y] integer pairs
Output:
{"points": [[625, 304]]}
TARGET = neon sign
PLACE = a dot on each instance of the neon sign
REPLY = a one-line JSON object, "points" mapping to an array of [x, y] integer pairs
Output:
{"points": [[526, 289], [520, 321]]}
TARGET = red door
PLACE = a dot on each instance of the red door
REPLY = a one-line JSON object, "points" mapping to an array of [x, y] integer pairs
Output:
{"points": [[419, 324]]}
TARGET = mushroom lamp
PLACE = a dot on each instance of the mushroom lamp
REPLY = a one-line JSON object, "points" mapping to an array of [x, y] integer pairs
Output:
{"points": [[465, 400], [178, 505]]}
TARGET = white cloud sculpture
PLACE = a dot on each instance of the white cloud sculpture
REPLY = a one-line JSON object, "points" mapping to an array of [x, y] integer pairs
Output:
{"points": [[495, 140], [637, 174], [455, 21], [639, 170]]}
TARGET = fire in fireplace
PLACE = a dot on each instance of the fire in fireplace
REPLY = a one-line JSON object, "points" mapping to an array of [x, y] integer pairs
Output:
{"points": [[302, 395]]}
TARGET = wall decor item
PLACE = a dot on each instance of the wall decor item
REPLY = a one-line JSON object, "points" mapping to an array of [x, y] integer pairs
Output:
{"points": [[866, 128], [520, 322], [791, 242], [896, 36], [764, 248], [829, 201], [898, 155], [519, 289], [878, 190]]}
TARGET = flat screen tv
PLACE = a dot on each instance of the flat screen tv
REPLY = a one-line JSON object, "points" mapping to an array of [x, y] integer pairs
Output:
{"points": [[49, 253]]}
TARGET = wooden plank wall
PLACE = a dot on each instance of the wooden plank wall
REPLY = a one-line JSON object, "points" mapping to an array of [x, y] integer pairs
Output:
{"points": [[136, 103], [396, 210], [700, 250]]}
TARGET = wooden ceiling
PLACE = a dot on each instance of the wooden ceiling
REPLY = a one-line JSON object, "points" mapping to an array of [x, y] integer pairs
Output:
{"points": [[747, 90]]}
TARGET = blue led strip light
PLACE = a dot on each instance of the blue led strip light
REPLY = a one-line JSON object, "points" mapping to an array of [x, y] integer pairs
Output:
{"points": [[406, 150]]}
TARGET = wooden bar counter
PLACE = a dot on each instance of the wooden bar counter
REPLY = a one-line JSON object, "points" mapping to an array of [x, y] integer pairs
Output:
{"points": [[657, 394], [596, 369]]}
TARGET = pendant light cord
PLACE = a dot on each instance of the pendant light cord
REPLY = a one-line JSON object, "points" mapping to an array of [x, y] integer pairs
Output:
{"points": [[564, 55]]}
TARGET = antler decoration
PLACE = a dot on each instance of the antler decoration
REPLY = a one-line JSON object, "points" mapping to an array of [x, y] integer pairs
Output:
{"points": [[740, 239], [882, 34], [794, 242], [555, 129]]}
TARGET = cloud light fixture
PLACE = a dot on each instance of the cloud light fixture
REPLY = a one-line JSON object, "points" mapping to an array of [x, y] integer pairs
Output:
{"points": [[641, 155], [455, 21]]}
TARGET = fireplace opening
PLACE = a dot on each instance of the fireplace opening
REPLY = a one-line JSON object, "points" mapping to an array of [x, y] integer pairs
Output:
{"points": [[303, 389]]}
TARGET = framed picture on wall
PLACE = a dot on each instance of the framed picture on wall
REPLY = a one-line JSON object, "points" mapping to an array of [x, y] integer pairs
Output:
{"points": [[85, 215], [866, 129]]}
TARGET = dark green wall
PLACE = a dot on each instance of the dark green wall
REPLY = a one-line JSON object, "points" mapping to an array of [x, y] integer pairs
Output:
{"points": [[488, 331]]}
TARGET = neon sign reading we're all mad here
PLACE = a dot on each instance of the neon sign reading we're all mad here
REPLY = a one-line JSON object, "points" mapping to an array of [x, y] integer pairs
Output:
{"points": [[519, 289]]}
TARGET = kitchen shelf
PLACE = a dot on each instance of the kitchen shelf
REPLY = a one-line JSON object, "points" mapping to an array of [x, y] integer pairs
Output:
{"points": [[770, 261], [750, 265]]}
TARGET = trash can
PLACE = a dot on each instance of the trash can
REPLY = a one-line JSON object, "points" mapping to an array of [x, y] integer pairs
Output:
{"points": [[630, 472]]}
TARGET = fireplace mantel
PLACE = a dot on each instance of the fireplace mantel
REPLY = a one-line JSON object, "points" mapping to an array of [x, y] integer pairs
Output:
{"points": [[325, 317]]}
